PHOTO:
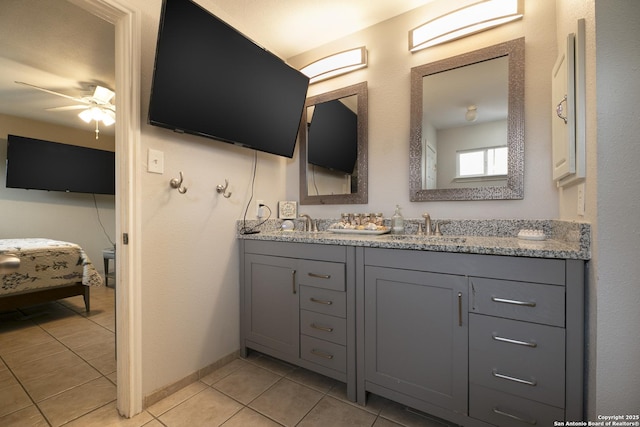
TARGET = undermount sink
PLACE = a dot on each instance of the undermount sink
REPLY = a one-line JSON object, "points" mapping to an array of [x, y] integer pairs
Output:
{"points": [[425, 239]]}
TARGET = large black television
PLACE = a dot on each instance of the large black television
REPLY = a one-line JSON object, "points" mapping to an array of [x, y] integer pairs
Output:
{"points": [[212, 81], [333, 137], [43, 165]]}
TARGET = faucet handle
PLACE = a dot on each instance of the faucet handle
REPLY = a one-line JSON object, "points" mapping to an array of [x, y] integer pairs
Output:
{"points": [[426, 215], [438, 232]]}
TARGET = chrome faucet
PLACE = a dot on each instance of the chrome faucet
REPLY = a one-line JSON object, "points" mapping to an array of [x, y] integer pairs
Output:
{"points": [[309, 224]]}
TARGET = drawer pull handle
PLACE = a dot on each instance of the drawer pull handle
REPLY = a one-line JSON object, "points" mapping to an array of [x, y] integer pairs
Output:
{"points": [[514, 379], [321, 353], [320, 301], [459, 308], [518, 342], [319, 276], [321, 328], [514, 302], [515, 417]]}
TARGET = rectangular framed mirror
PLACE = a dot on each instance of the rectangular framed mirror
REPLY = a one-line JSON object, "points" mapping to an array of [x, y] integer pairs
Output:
{"points": [[333, 147], [467, 126]]}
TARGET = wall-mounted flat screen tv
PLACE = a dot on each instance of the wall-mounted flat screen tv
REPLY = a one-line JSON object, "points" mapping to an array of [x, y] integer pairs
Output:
{"points": [[43, 165], [212, 81], [333, 137]]}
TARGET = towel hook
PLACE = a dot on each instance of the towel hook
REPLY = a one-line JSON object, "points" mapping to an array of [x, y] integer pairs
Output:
{"points": [[177, 183], [222, 189]]}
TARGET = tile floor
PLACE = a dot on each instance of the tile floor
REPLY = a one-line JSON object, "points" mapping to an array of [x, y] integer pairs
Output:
{"points": [[57, 368]]}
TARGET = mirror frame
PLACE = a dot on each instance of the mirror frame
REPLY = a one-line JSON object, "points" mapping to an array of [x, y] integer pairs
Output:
{"points": [[514, 189], [361, 196]]}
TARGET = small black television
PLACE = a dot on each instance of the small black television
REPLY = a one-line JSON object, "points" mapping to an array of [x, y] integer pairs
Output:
{"points": [[333, 137], [212, 81], [44, 165]]}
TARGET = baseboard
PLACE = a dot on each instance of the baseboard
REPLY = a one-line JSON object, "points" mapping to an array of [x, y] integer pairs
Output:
{"points": [[160, 394]]}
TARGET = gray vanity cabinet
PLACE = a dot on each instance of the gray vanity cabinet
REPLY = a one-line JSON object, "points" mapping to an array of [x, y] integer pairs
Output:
{"points": [[416, 336], [297, 304], [479, 340]]}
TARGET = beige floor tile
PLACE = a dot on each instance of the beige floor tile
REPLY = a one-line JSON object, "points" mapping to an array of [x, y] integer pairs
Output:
{"points": [[41, 367], [287, 402], [92, 334], [247, 383], [29, 416], [207, 408], [107, 345], [19, 338], [311, 379], [333, 412], [249, 417], [13, 398], [383, 422], [78, 401], [6, 377], [277, 366], [108, 416], [59, 380], [105, 364], [34, 352], [176, 398], [222, 372]]}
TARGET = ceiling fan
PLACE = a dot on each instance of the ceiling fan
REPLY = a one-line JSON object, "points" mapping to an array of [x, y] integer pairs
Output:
{"points": [[97, 107]]}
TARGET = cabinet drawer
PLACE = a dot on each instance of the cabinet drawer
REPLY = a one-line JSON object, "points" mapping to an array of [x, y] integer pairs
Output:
{"points": [[506, 410], [328, 328], [323, 353], [324, 301], [531, 302], [322, 274], [520, 358]]}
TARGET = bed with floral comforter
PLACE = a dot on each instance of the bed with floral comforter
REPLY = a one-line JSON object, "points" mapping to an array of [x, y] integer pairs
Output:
{"points": [[48, 270]]}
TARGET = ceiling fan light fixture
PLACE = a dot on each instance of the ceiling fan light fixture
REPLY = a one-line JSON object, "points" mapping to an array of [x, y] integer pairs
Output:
{"points": [[336, 64], [469, 20], [472, 113], [86, 115]]}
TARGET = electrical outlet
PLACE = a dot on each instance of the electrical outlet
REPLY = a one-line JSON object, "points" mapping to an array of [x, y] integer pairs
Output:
{"points": [[259, 208], [581, 201]]}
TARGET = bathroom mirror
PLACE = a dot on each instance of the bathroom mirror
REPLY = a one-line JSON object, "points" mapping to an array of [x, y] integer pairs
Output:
{"points": [[333, 147], [467, 126]]}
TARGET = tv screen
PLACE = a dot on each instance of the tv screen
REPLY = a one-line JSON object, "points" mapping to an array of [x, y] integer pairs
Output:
{"points": [[43, 165], [210, 80], [333, 137]]}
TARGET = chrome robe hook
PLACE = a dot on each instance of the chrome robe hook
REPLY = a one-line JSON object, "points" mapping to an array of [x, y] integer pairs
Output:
{"points": [[177, 183], [222, 189]]}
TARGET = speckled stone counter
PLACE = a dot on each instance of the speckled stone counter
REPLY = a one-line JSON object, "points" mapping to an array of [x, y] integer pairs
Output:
{"points": [[564, 239]]}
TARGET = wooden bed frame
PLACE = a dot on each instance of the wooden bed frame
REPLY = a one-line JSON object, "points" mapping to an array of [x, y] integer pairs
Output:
{"points": [[11, 302]]}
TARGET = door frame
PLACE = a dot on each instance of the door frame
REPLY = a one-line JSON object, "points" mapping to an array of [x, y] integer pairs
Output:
{"points": [[127, 22]]}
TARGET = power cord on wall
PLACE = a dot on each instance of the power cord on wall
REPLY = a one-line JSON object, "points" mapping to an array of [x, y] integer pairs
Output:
{"points": [[253, 230], [95, 203]]}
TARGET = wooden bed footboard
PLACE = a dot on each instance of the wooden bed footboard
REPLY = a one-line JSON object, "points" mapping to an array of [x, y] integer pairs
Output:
{"points": [[10, 302]]}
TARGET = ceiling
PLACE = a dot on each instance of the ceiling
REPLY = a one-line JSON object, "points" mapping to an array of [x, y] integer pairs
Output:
{"points": [[59, 46]]}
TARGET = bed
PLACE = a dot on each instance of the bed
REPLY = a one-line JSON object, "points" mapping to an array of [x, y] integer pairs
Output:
{"points": [[48, 270]]}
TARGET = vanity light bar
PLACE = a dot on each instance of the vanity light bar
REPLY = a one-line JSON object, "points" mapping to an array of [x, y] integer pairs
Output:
{"points": [[471, 19], [336, 64]]}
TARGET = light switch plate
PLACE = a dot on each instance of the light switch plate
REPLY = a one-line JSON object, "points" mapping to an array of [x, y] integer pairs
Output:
{"points": [[155, 161]]}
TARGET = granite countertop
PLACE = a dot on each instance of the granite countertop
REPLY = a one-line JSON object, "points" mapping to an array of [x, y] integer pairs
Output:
{"points": [[564, 239]]}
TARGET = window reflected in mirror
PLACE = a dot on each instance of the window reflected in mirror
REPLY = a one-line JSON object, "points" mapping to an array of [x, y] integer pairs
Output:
{"points": [[467, 126]]}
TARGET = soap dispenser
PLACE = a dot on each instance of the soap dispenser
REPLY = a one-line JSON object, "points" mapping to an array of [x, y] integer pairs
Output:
{"points": [[397, 222]]}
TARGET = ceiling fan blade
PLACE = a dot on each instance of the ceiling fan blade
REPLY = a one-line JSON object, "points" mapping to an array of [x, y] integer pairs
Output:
{"points": [[103, 95], [54, 93], [68, 108]]}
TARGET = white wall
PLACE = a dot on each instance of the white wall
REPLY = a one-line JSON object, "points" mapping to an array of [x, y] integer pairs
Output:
{"points": [[190, 294], [613, 199], [388, 78], [71, 217]]}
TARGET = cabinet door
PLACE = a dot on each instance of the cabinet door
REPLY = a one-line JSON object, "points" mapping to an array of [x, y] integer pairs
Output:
{"points": [[271, 303], [416, 335]]}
